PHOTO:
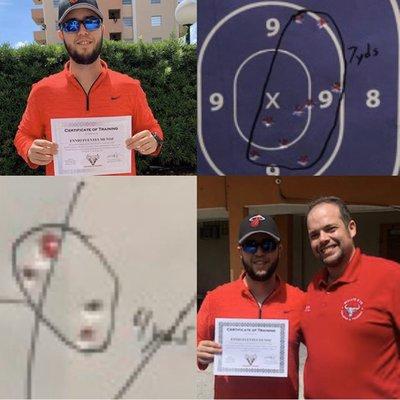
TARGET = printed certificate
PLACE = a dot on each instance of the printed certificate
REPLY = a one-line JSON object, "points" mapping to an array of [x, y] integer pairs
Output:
{"points": [[252, 347], [92, 146]]}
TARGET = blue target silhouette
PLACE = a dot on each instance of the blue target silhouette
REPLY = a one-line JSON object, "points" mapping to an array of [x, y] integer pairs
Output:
{"points": [[295, 88]]}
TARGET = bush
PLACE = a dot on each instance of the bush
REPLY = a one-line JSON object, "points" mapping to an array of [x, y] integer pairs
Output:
{"points": [[167, 71]]}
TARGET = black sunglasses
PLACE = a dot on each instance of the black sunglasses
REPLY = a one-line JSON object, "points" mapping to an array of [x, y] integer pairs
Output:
{"points": [[73, 25], [267, 245]]}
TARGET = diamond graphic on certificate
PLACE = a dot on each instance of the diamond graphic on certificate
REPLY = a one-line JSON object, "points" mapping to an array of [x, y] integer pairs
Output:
{"points": [[250, 358], [92, 158]]}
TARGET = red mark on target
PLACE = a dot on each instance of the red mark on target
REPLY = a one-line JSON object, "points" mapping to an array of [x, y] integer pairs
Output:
{"points": [[50, 245]]}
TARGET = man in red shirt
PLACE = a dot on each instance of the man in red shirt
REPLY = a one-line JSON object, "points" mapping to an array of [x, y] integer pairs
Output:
{"points": [[351, 322], [258, 293], [86, 88]]}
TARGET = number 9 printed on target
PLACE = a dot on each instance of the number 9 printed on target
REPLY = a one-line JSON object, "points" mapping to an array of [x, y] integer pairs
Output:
{"points": [[298, 88]]}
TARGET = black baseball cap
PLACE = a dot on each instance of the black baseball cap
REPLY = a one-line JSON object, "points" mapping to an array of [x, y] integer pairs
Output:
{"points": [[66, 6], [258, 224]]}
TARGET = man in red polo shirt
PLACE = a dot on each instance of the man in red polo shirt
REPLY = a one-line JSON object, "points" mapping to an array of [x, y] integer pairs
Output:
{"points": [[351, 321], [86, 89], [258, 293]]}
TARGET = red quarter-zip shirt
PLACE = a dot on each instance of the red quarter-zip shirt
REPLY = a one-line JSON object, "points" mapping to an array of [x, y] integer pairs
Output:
{"points": [[351, 329], [234, 300], [61, 96]]}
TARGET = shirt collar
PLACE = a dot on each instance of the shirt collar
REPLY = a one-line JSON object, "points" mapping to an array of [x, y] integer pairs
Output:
{"points": [[71, 77], [350, 273], [247, 293]]}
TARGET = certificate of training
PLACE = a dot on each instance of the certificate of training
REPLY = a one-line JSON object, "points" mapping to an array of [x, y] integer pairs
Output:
{"points": [[252, 347], [92, 146]]}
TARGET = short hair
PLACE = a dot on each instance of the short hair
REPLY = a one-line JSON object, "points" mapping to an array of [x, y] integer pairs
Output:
{"points": [[343, 209]]}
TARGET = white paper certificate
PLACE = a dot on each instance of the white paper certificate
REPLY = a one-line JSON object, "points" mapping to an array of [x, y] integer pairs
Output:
{"points": [[252, 347], [92, 146]]}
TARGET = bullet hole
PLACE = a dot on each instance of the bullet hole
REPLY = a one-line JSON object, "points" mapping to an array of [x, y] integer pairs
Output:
{"points": [[93, 306], [50, 245], [87, 334], [29, 273]]}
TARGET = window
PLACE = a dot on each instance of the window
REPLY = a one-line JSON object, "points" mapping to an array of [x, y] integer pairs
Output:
{"points": [[390, 241], [156, 39], [114, 14], [126, 1], [155, 1], [56, 3], [115, 36], [128, 21], [156, 20]]}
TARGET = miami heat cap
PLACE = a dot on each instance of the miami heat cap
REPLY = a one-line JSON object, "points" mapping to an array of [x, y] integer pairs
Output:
{"points": [[258, 224], [68, 5]]}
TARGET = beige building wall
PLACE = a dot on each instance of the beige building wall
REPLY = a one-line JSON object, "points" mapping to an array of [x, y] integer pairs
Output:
{"points": [[50, 18], [142, 19], [146, 12], [286, 197], [213, 252], [213, 256]]}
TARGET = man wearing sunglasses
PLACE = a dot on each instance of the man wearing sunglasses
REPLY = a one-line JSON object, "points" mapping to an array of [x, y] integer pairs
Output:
{"points": [[258, 293], [86, 88], [351, 322]]}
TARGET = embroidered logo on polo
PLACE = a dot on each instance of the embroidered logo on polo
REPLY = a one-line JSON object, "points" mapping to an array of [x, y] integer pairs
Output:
{"points": [[352, 309], [307, 308], [256, 220]]}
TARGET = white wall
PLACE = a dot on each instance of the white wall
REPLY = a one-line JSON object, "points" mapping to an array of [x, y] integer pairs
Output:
{"points": [[146, 229]]}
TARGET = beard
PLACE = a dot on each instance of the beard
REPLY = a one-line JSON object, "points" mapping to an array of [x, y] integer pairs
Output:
{"points": [[260, 277], [335, 259], [85, 59]]}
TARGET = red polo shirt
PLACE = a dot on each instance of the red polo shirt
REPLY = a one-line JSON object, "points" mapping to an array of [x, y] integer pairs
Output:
{"points": [[352, 332], [234, 300], [61, 96]]}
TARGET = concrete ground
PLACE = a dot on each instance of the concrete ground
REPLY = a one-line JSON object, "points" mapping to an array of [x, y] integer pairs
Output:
{"points": [[205, 379]]}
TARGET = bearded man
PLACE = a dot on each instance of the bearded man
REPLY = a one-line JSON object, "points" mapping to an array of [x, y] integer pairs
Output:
{"points": [[258, 293], [86, 89], [351, 322]]}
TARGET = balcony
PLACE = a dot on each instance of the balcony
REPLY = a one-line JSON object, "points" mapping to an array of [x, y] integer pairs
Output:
{"points": [[40, 37], [37, 15], [113, 26]]}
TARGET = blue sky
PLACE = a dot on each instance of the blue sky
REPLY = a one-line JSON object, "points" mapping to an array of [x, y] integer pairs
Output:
{"points": [[16, 24]]}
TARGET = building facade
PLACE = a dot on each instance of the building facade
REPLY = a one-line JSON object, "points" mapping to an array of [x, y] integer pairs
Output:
{"points": [[129, 20], [224, 201]]}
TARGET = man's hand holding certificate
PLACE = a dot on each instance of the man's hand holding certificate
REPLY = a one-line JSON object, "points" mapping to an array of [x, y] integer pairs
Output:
{"points": [[92, 146], [252, 347]]}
